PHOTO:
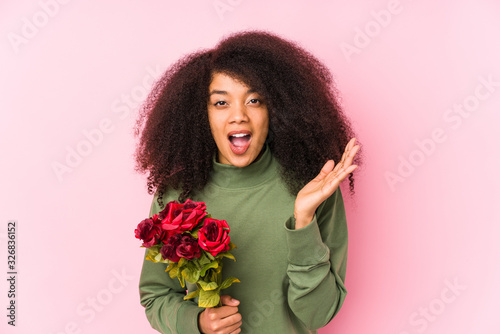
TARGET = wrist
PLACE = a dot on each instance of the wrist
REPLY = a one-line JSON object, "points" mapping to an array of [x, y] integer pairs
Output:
{"points": [[302, 219]]}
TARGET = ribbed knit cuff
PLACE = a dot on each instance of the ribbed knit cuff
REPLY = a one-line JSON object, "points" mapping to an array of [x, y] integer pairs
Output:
{"points": [[305, 245], [187, 318]]}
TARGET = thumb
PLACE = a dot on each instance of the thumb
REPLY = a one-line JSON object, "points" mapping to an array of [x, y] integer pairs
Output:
{"points": [[229, 301], [327, 168]]}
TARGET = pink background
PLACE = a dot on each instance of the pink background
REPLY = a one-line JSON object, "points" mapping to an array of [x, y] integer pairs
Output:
{"points": [[73, 69]]}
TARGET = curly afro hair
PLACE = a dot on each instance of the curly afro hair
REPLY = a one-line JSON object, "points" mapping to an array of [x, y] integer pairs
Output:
{"points": [[306, 124]]}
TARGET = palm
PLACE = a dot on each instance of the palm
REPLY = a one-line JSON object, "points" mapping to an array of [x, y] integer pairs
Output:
{"points": [[325, 184]]}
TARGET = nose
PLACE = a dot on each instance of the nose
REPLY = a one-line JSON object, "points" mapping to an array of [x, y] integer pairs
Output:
{"points": [[239, 113]]}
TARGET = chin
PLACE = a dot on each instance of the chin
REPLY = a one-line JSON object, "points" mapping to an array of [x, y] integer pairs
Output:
{"points": [[240, 160]]}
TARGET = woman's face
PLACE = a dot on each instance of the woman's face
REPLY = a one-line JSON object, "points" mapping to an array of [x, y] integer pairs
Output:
{"points": [[238, 119]]}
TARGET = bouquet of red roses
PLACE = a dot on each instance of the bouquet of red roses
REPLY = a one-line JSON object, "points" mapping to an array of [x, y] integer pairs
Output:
{"points": [[193, 244]]}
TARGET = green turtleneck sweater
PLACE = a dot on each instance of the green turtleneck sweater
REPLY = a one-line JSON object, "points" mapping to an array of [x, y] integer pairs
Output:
{"points": [[292, 281]]}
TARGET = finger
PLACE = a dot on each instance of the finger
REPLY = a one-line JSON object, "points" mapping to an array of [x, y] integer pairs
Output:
{"points": [[347, 150], [340, 173], [340, 165], [327, 168], [228, 300], [337, 178], [237, 330], [221, 316], [218, 324], [347, 158], [351, 154], [350, 144], [231, 323]]}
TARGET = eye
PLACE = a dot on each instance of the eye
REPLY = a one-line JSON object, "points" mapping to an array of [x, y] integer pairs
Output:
{"points": [[220, 103], [255, 101]]}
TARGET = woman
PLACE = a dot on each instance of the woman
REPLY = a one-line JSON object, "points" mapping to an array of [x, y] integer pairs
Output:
{"points": [[246, 127]]}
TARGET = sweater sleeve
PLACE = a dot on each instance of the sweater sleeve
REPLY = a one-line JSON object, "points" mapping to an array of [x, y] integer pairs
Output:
{"points": [[162, 298], [317, 257]]}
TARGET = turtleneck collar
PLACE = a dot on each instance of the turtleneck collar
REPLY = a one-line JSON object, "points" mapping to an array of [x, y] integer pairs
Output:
{"points": [[232, 177]]}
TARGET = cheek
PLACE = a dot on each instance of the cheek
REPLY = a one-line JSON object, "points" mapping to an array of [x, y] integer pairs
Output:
{"points": [[212, 123], [216, 128], [265, 125]]}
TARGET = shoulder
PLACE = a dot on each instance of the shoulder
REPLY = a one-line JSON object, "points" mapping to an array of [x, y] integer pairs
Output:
{"points": [[167, 196]]}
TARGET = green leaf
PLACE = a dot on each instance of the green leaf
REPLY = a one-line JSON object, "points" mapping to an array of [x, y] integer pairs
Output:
{"points": [[228, 255], [208, 286], [213, 264], [194, 232], [173, 272], [228, 281], [181, 279], [153, 251], [191, 273], [203, 259], [209, 298], [182, 262], [158, 257], [214, 275], [193, 294], [171, 265], [232, 246]]}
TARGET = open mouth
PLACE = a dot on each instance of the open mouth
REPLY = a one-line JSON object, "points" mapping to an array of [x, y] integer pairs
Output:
{"points": [[240, 141]]}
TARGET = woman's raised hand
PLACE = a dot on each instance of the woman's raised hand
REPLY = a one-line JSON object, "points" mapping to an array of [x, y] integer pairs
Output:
{"points": [[221, 320], [323, 185]]}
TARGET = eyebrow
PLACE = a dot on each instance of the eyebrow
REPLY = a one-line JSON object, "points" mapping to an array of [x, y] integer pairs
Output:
{"points": [[223, 92]]}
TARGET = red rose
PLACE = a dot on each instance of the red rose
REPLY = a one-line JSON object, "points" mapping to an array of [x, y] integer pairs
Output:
{"points": [[147, 231], [214, 236], [182, 217], [164, 235], [188, 247], [156, 219], [169, 250]]}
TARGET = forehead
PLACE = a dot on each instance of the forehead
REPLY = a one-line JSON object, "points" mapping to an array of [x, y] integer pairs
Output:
{"points": [[222, 81]]}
